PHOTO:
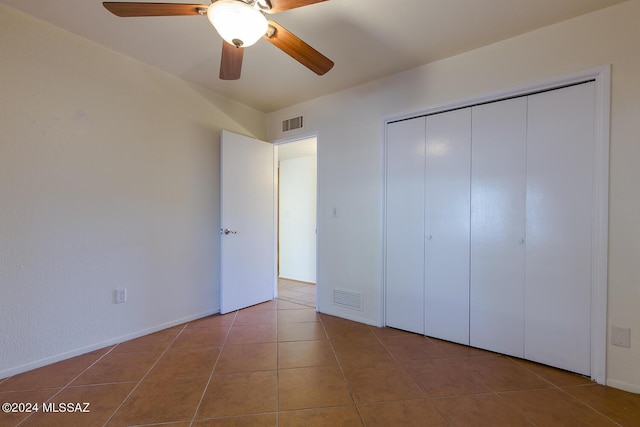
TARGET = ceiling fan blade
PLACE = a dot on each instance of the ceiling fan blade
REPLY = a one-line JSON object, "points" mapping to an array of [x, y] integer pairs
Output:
{"points": [[126, 9], [293, 46], [231, 61], [281, 5]]}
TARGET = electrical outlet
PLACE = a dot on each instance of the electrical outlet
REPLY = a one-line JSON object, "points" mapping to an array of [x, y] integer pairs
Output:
{"points": [[620, 336], [119, 296]]}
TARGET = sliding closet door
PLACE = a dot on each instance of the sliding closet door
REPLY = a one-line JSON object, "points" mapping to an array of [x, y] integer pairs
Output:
{"points": [[447, 210], [405, 225], [498, 226], [560, 155]]}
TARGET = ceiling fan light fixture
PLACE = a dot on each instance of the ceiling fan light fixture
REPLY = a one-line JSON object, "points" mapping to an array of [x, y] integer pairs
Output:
{"points": [[237, 23]]}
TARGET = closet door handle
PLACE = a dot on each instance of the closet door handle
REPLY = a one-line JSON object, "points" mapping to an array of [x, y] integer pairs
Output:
{"points": [[521, 240], [429, 237]]}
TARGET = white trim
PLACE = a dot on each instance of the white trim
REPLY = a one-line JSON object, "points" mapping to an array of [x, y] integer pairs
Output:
{"points": [[600, 228], [89, 348], [631, 388], [287, 140]]}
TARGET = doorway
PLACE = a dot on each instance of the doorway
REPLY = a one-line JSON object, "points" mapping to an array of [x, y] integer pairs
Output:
{"points": [[297, 207]]}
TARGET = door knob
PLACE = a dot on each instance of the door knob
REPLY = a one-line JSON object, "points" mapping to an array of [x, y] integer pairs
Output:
{"points": [[227, 231], [429, 237]]}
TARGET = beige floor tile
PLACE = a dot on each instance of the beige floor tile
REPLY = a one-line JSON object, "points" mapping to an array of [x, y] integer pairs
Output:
{"points": [[247, 358], [201, 338], [451, 349], [15, 416], [479, 410], [346, 416], [380, 382], [552, 407], [153, 342], [243, 393], [303, 315], [191, 362], [555, 376], [300, 354], [268, 305], [256, 317], [291, 293], [621, 406], [119, 367], [214, 321], [389, 332], [262, 420], [345, 329], [289, 305], [250, 334], [301, 332], [262, 379], [444, 377], [500, 373], [402, 413], [314, 387], [411, 347], [361, 350], [161, 401], [55, 375], [102, 401]]}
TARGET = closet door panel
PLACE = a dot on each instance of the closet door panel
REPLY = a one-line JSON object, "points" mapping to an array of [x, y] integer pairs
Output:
{"points": [[498, 183], [405, 225], [447, 209], [560, 155]]}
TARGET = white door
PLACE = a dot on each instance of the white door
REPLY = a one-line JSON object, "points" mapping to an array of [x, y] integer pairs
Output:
{"points": [[498, 183], [447, 210], [405, 225], [247, 222], [560, 157]]}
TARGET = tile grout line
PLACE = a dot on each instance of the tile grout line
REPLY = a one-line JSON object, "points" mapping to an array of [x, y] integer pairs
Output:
{"points": [[344, 378], [427, 396], [587, 405], [145, 375], [64, 387], [206, 387]]}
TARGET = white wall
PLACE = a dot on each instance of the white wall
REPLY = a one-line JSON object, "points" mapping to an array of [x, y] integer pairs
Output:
{"points": [[297, 218], [350, 162], [109, 178]]}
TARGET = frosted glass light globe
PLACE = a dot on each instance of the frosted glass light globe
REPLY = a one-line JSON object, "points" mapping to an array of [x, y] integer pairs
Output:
{"points": [[237, 23]]}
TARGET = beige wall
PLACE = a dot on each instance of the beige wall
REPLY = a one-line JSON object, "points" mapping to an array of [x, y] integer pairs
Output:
{"points": [[109, 174], [349, 126]]}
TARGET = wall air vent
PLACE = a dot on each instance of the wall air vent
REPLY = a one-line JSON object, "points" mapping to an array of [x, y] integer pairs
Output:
{"points": [[292, 124], [347, 298]]}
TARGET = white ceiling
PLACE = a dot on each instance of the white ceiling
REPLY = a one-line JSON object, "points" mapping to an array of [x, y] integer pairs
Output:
{"points": [[367, 39]]}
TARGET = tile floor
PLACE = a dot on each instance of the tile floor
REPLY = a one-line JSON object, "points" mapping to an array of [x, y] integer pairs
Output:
{"points": [[282, 364], [298, 292]]}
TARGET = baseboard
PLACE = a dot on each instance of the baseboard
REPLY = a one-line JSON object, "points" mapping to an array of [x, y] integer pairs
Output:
{"points": [[632, 388], [348, 316], [87, 349]]}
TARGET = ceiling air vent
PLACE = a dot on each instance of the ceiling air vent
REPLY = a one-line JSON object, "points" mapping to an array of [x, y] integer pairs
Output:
{"points": [[292, 124], [347, 298]]}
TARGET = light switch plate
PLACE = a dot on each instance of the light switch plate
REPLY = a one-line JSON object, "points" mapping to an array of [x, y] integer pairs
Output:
{"points": [[620, 336], [119, 296]]}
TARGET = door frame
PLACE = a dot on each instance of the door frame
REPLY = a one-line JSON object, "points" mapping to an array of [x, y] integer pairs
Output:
{"points": [[276, 143], [600, 228]]}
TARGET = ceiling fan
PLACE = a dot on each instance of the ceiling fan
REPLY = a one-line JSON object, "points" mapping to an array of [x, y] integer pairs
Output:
{"points": [[240, 23]]}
